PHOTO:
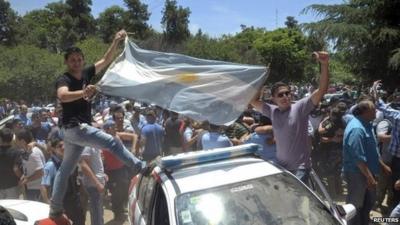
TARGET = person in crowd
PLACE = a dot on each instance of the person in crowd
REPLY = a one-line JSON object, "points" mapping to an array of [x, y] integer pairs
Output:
{"points": [[124, 129], [238, 130], [385, 183], [290, 121], [393, 116], [129, 111], [23, 110], [138, 120], [40, 130], [189, 134], [71, 202], [33, 163], [173, 138], [75, 92], [361, 162], [10, 166], [263, 135], [94, 181], [396, 211], [331, 131], [118, 176], [151, 137], [214, 138]]}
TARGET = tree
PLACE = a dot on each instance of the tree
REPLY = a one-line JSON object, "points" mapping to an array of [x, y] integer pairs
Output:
{"points": [[367, 32], [175, 22], [109, 22], [8, 24], [80, 11], [51, 28], [136, 18], [29, 72], [285, 51], [291, 22]]}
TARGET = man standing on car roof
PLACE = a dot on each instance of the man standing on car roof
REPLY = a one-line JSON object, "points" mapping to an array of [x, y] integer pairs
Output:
{"points": [[290, 121], [74, 92]]}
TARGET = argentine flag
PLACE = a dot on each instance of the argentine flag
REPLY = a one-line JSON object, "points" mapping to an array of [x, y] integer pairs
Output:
{"points": [[200, 89]]}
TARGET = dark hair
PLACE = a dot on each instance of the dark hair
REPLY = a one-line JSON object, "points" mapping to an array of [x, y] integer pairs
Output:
{"points": [[116, 108], [265, 120], [248, 113], [362, 107], [276, 87], [214, 127], [6, 135], [54, 141], [128, 106], [35, 115], [71, 50], [5, 217], [24, 134]]}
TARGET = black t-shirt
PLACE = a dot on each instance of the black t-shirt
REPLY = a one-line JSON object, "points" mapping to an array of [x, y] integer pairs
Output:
{"points": [[78, 111], [172, 136], [9, 157]]}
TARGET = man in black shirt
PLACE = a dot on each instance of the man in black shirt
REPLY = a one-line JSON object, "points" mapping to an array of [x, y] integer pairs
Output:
{"points": [[10, 166], [74, 92]]}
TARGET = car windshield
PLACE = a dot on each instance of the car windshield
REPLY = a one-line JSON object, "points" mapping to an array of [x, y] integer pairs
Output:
{"points": [[276, 199]]}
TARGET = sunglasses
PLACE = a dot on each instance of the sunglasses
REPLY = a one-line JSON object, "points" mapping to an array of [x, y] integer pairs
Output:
{"points": [[287, 94]]}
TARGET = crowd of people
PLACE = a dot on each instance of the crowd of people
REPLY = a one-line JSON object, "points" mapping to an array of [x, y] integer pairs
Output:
{"points": [[351, 140]]}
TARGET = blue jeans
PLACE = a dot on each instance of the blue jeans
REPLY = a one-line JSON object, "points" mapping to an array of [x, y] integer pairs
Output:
{"points": [[95, 206], [75, 139], [302, 174]]}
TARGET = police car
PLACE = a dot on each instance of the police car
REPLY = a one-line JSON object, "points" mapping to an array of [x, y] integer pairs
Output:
{"points": [[227, 186]]}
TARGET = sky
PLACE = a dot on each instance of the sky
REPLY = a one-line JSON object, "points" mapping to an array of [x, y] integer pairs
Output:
{"points": [[214, 17]]}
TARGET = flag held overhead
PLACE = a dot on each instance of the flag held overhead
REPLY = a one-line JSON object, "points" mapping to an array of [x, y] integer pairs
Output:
{"points": [[201, 89]]}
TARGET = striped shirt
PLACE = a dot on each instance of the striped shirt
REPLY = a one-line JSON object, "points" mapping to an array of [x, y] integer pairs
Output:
{"points": [[393, 116]]}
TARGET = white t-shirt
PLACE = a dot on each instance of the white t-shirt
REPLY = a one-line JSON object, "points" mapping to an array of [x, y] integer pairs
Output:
{"points": [[35, 162], [96, 165]]}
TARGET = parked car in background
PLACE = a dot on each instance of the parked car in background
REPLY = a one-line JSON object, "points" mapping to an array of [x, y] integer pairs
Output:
{"points": [[231, 186]]}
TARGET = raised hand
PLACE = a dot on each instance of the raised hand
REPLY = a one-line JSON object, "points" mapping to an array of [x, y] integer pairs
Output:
{"points": [[322, 57], [120, 35]]}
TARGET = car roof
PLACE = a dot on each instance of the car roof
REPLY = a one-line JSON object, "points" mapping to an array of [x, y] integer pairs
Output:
{"points": [[217, 173]]}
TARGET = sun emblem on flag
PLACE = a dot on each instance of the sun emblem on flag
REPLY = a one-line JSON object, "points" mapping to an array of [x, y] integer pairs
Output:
{"points": [[187, 77]]}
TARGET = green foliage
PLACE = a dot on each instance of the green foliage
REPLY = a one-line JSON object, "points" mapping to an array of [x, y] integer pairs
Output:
{"points": [[8, 24], [84, 23], [291, 22], [367, 32], [93, 49], [28, 72], [136, 18], [110, 22], [285, 50], [175, 22], [51, 28]]}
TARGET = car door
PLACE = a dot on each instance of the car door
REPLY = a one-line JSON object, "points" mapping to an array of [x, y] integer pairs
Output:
{"points": [[145, 199], [159, 214]]}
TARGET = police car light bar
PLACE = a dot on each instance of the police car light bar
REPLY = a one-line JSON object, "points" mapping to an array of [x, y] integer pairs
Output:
{"points": [[198, 157]]}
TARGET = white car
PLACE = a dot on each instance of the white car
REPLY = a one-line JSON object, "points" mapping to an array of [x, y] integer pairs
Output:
{"points": [[26, 212], [231, 186]]}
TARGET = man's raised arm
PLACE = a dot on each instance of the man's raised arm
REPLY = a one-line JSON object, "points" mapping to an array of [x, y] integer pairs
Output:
{"points": [[323, 59], [109, 55]]}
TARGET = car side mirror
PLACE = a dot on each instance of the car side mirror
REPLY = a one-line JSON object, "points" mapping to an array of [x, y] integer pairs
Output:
{"points": [[347, 211]]}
